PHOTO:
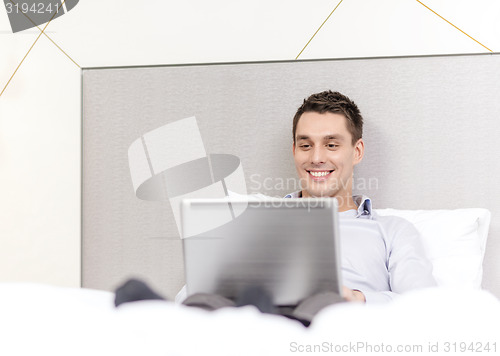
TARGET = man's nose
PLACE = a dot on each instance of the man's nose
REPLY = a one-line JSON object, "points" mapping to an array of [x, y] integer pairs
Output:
{"points": [[318, 155]]}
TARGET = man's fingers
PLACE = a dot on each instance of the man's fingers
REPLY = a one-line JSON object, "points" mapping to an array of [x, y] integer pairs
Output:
{"points": [[351, 295], [347, 294]]}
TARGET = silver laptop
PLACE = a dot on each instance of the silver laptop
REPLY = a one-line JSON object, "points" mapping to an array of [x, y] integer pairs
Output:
{"points": [[289, 247]]}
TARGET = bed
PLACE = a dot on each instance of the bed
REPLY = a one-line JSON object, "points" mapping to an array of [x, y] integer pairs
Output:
{"points": [[45, 320]]}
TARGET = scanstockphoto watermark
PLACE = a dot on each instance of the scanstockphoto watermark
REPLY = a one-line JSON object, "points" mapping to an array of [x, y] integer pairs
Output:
{"points": [[271, 184], [355, 347], [306, 203], [446, 347]]}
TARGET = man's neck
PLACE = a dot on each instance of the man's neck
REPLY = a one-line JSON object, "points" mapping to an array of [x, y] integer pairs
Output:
{"points": [[349, 204], [345, 202]]}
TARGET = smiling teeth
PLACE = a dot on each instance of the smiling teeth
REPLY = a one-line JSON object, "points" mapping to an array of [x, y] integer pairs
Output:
{"points": [[319, 174]]}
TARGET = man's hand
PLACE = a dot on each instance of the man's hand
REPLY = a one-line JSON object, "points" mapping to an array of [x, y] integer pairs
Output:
{"points": [[353, 295]]}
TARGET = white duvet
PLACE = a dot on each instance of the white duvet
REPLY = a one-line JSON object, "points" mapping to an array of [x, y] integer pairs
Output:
{"points": [[45, 320]]}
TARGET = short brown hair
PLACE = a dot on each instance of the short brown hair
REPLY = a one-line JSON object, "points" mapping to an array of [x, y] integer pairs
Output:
{"points": [[334, 102]]}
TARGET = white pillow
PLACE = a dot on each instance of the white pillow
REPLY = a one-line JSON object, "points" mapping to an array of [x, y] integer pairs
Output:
{"points": [[454, 240]]}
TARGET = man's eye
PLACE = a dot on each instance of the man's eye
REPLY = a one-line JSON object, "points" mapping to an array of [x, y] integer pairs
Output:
{"points": [[305, 146], [332, 145]]}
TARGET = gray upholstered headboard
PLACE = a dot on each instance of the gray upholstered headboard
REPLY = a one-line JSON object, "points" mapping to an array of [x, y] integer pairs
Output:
{"points": [[431, 132]]}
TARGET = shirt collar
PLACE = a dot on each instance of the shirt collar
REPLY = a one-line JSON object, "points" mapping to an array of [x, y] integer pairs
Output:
{"points": [[297, 194], [363, 202], [364, 206]]}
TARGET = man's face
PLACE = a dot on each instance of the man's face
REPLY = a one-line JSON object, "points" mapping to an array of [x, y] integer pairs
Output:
{"points": [[324, 155]]}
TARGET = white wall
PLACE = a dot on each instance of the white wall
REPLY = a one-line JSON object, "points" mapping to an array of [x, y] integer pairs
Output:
{"points": [[40, 110]]}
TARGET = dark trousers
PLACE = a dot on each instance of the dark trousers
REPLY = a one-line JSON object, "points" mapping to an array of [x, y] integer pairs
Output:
{"points": [[135, 290], [303, 312]]}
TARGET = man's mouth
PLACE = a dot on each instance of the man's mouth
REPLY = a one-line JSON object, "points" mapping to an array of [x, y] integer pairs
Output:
{"points": [[319, 174]]}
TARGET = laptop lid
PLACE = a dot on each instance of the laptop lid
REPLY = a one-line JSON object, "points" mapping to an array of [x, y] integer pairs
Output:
{"points": [[289, 247]]}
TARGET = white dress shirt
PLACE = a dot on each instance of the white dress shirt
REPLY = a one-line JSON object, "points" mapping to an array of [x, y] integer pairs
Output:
{"points": [[382, 256]]}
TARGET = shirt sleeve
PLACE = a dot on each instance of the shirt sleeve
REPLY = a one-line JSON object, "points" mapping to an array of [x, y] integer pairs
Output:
{"points": [[379, 297], [407, 263], [408, 266]]}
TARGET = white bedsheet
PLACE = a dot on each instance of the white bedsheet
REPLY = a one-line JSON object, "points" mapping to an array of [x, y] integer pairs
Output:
{"points": [[45, 320]]}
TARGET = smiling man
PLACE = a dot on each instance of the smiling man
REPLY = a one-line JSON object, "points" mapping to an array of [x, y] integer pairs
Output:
{"points": [[327, 144], [381, 256]]}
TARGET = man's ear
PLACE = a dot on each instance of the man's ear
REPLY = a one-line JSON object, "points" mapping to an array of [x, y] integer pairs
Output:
{"points": [[359, 151], [293, 148]]}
